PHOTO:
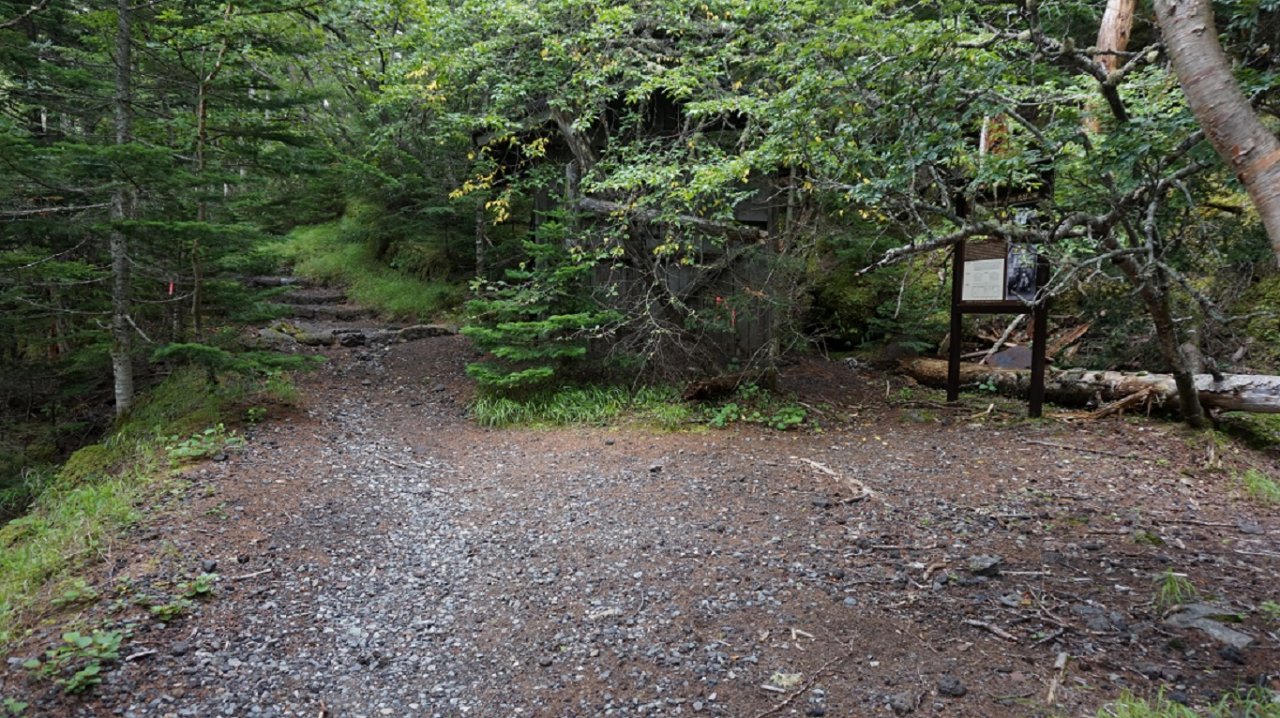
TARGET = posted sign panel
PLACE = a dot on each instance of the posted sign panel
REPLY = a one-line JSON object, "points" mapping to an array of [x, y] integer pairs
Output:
{"points": [[984, 281]]}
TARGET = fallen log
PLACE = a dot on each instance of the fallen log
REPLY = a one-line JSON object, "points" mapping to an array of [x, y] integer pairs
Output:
{"points": [[1255, 393]]}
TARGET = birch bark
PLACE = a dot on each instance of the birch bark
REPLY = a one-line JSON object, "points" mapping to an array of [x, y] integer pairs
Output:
{"points": [[1225, 115]]}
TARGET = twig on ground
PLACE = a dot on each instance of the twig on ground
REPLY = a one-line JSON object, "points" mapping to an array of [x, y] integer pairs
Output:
{"points": [[1197, 522], [1268, 554], [247, 576], [812, 408], [993, 628], [1051, 637], [394, 463], [1120, 405], [140, 654], [864, 490], [780, 706], [1060, 665], [1086, 450], [902, 547], [982, 413]]}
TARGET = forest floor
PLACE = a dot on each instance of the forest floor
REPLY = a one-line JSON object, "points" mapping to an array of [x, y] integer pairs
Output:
{"points": [[380, 555]]}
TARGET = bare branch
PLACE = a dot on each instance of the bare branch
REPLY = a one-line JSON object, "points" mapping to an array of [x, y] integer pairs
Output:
{"points": [[732, 231]]}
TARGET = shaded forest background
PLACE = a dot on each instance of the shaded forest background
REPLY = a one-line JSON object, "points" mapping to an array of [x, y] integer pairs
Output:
{"points": [[598, 191]]}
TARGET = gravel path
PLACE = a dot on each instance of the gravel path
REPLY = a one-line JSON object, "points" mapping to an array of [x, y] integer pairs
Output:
{"points": [[380, 556]]}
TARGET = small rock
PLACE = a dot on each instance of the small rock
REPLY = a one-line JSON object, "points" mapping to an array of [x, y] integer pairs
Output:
{"points": [[951, 687], [353, 339], [220, 456], [1179, 697], [1202, 616], [1249, 527], [545, 661], [816, 709], [1232, 654], [209, 565], [1094, 617], [901, 703], [655, 468], [985, 565]]}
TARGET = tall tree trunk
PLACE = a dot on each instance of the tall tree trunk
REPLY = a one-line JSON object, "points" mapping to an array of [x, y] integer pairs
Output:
{"points": [[1154, 291], [1224, 113], [202, 207], [122, 209], [481, 241], [203, 86], [1113, 37], [1114, 31]]}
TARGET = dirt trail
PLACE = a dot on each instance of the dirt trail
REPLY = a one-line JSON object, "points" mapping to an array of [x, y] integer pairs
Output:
{"points": [[379, 555]]}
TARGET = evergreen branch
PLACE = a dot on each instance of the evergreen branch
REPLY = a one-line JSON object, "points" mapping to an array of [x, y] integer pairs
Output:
{"points": [[20, 213], [30, 11]]}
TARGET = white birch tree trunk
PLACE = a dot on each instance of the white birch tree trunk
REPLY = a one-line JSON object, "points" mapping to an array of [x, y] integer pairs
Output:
{"points": [[1225, 115]]}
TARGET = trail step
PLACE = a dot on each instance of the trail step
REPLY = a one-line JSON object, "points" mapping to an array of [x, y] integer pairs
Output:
{"points": [[282, 336], [311, 296], [339, 312], [276, 282]]}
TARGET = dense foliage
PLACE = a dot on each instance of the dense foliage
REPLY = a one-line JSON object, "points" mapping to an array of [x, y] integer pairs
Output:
{"points": [[651, 187], [859, 126]]}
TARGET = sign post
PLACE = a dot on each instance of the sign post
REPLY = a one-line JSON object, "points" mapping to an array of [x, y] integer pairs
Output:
{"points": [[996, 277]]}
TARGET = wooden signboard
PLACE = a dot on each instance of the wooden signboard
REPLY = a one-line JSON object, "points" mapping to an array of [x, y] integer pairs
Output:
{"points": [[996, 277]]}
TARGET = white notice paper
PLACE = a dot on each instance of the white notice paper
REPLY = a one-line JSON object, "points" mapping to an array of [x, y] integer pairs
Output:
{"points": [[983, 281]]}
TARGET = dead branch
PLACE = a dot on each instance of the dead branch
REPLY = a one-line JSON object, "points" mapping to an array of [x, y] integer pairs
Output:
{"points": [[993, 628]]}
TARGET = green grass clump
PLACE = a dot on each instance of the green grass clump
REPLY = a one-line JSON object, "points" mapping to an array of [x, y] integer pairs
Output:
{"points": [[1260, 487], [326, 254], [593, 405], [64, 529], [1258, 703], [1174, 589], [1270, 611]]}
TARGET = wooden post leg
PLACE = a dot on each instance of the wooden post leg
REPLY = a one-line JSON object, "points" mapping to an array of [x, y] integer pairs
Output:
{"points": [[1039, 340], [957, 293], [953, 356]]}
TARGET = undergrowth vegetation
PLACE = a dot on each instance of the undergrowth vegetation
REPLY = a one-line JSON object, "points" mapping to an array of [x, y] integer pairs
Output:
{"points": [[592, 405], [1253, 704], [345, 253], [657, 406], [1260, 488], [84, 507]]}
